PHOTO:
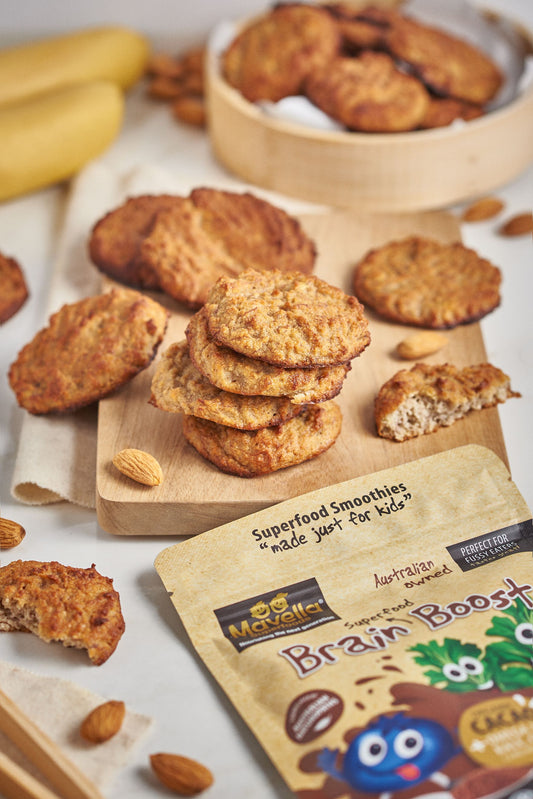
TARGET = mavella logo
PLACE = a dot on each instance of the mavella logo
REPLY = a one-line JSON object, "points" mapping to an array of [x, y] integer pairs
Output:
{"points": [[283, 611]]}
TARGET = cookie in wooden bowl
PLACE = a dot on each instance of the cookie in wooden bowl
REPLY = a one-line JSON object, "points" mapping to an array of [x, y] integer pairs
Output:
{"points": [[88, 349], [426, 397], [76, 607], [13, 288], [427, 283], [270, 58], [260, 452]]}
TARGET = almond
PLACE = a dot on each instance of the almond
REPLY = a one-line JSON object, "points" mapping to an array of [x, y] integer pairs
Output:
{"points": [[517, 225], [484, 208], [11, 533], [420, 344], [181, 774], [139, 466], [103, 722], [190, 109]]}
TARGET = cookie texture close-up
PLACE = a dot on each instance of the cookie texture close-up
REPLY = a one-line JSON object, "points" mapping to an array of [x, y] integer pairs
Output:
{"points": [[419, 400], [426, 283], [368, 93], [13, 288], [231, 371], [76, 607], [115, 239], [254, 453], [178, 387], [447, 64], [286, 319], [88, 349], [214, 233], [271, 57]]}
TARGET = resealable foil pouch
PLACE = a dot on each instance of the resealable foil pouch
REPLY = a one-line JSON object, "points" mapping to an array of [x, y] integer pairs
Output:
{"points": [[376, 635]]}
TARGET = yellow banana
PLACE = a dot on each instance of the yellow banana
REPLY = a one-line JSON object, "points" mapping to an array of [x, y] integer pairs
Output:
{"points": [[48, 138], [114, 54]]}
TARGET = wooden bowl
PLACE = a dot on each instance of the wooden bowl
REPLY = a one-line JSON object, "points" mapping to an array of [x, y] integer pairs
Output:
{"points": [[373, 171]]}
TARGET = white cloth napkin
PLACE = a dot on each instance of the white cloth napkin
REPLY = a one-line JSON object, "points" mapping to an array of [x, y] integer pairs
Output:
{"points": [[58, 707]]}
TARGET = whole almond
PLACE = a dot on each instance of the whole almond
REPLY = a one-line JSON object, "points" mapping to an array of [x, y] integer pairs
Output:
{"points": [[181, 774], [484, 208], [11, 533], [190, 109], [139, 466], [420, 344], [517, 225], [103, 722]]}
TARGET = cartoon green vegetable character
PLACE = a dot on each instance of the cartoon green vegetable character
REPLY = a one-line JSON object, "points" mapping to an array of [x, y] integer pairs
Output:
{"points": [[512, 658], [455, 666]]}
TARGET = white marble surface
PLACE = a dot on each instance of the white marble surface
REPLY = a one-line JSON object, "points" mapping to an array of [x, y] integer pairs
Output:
{"points": [[154, 669]]}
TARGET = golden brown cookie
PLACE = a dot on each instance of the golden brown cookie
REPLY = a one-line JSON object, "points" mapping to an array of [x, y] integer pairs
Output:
{"points": [[419, 400], [427, 283], [89, 349], [77, 607], [368, 93], [178, 387], [115, 239], [447, 64], [270, 58], [443, 111], [286, 319], [13, 288], [215, 233], [255, 453], [361, 28], [236, 373]]}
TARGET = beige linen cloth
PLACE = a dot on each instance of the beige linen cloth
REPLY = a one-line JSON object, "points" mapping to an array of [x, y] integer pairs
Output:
{"points": [[58, 707], [56, 456]]}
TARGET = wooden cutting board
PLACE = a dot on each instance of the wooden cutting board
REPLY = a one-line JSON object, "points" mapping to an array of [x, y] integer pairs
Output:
{"points": [[195, 496]]}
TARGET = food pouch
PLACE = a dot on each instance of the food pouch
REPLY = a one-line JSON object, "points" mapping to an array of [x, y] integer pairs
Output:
{"points": [[376, 635]]}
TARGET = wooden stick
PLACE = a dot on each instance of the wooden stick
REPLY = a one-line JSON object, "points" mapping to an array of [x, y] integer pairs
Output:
{"points": [[66, 778], [15, 783]]}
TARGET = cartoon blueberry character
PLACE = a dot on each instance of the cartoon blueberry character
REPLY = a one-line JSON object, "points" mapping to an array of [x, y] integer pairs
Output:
{"points": [[393, 753], [455, 666], [512, 657]]}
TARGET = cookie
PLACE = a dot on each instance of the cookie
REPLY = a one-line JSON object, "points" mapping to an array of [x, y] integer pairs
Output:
{"points": [[443, 111], [115, 239], [445, 63], [239, 374], [13, 288], [361, 28], [178, 387], [270, 58], [368, 93], [77, 607], [426, 283], [216, 233], [422, 399], [286, 319], [89, 349], [255, 453]]}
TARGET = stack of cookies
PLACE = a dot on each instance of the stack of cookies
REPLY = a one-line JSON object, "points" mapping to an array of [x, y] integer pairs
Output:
{"points": [[261, 362]]}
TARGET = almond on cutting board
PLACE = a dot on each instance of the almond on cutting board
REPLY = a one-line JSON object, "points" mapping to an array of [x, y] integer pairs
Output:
{"points": [[181, 774], [103, 722], [139, 466], [420, 344]]}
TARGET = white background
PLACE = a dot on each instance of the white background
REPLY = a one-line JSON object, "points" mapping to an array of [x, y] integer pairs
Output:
{"points": [[154, 668]]}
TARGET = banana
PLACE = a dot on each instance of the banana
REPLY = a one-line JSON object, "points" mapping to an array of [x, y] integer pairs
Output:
{"points": [[112, 53], [48, 138]]}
